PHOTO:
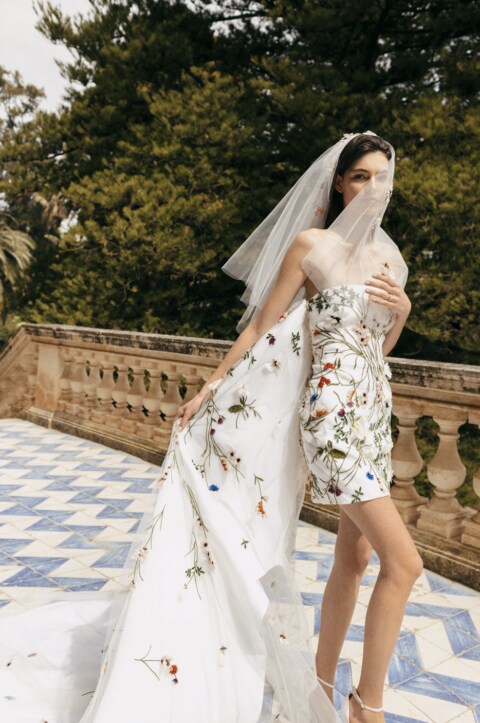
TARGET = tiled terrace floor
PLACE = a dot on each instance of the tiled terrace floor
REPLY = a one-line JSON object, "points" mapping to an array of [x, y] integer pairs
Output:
{"points": [[68, 507]]}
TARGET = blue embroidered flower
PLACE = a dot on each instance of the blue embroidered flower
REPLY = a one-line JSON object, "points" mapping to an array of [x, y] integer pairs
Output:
{"points": [[370, 475], [313, 397], [213, 488]]}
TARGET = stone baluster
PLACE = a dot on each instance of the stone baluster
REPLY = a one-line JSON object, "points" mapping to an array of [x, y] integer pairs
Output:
{"points": [[133, 422], [170, 404], [443, 514], [78, 378], [152, 401], [406, 460], [102, 412], [91, 384], [471, 533], [65, 394], [191, 376], [119, 393]]}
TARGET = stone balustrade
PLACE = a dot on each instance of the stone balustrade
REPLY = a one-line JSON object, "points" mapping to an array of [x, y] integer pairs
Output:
{"points": [[123, 389]]}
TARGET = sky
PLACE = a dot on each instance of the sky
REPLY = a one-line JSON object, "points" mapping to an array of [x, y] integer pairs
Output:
{"points": [[24, 49]]}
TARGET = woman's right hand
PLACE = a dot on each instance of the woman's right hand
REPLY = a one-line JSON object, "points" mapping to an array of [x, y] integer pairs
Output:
{"points": [[186, 411]]}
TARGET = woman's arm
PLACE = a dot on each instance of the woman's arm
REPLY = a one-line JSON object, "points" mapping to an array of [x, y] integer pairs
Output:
{"points": [[290, 278], [399, 302]]}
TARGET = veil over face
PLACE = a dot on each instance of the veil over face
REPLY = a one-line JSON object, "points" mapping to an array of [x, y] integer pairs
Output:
{"points": [[353, 247]]}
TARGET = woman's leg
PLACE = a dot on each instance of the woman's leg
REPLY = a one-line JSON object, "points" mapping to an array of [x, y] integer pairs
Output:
{"points": [[400, 566], [352, 553]]}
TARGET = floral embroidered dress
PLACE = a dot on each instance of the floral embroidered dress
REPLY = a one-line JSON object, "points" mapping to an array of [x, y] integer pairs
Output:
{"points": [[209, 627], [345, 412]]}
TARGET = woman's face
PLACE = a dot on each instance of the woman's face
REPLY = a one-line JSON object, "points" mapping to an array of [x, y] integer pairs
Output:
{"points": [[360, 173]]}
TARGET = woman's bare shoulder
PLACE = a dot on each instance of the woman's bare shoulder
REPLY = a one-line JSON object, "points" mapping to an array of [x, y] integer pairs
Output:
{"points": [[304, 240]]}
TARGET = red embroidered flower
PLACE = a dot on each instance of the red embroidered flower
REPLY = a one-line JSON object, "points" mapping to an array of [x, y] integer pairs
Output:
{"points": [[323, 381], [334, 490]]}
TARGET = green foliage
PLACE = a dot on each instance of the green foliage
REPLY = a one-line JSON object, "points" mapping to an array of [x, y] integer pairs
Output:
{"points": [[183, 125], [152, 227]]}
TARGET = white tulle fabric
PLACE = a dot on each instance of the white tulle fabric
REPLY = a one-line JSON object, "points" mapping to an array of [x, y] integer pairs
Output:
{"points": [[354, 247], [235, 630]]}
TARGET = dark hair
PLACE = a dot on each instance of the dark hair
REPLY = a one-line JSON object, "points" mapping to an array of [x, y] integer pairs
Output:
{"points": [[356, 147]]}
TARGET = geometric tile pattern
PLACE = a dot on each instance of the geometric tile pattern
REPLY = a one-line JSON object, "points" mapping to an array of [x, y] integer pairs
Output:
{"points": [[68, 508]]}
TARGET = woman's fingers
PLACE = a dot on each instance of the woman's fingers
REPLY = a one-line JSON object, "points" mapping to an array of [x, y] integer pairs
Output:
{"points": [[382, 281], [385, 289]]}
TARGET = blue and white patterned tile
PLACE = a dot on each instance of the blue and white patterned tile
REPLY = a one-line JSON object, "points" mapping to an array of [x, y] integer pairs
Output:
{"points": [[68, 508]]}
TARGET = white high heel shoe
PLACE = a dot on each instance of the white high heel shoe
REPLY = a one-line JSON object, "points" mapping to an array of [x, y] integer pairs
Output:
{"points": [[345, 712]]}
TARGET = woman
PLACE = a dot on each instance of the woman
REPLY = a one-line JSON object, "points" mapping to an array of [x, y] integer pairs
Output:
{"points": [[373, 522], [212, 628]]}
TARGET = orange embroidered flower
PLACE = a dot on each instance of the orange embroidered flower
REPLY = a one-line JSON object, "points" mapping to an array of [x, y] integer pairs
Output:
{"points": [[260, 508], [173, 670], [321, 412], [329, 365], [323, 381], [224, 463]]}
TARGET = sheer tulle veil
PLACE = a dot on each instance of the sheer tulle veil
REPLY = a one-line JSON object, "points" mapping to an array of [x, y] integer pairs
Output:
{"points": [[354, 246]]}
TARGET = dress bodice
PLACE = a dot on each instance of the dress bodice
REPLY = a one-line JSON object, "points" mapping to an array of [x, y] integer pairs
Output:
{"points": [[346, 316]]}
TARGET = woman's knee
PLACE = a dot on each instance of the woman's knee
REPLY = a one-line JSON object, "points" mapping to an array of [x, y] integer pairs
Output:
{"points": [[404, 568], [355, 559]]}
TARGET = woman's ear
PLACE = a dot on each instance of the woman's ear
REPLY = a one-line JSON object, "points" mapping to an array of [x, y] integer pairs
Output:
{"points": [[338, 183]]}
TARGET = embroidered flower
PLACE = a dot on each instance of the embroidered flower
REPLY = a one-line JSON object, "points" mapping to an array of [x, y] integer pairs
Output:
{"points": [[313, 398], [224, 463], [271, 339], [213, 488], [260, 508], [141, 552], [323, 381], [328, 365], [363, 333], [273, 365], [243, 392]]}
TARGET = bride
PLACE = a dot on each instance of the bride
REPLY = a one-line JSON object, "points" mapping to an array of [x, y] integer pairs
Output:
{"points": [[211, 627]]}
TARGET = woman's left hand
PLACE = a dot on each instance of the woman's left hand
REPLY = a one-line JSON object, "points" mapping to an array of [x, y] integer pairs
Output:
{"points": [[388, 292]]}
